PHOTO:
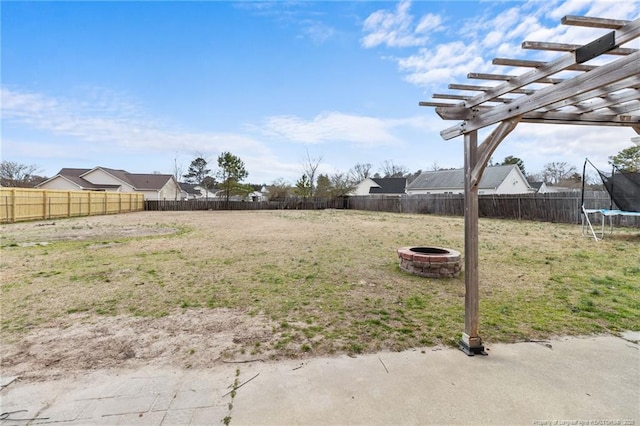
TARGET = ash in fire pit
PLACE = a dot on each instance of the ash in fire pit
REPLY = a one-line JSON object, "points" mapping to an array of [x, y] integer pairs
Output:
{"points": [[430, 262]]}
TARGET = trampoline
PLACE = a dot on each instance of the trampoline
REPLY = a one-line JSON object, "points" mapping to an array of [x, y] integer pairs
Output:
{"points": [[603, 214], [624, 191]]}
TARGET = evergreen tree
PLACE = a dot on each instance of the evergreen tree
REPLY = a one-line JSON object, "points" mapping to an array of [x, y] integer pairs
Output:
{"points": [[231, 172]]}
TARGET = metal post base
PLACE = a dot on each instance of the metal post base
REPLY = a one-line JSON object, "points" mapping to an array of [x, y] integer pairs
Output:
{"points": [[471, 351]]}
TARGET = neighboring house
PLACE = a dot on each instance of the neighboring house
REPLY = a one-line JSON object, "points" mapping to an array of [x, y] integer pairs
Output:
{"points": [[262, 195], [153, 186], [381, 186], [254, 196], [539, 187], [495, 180], [206, 192], [190, 191], [543, 188], [553, 188]]}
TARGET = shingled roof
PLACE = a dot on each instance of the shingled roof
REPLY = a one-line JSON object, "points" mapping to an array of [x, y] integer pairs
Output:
{"points": [[139, 181], [388, 186], [447, 179]]}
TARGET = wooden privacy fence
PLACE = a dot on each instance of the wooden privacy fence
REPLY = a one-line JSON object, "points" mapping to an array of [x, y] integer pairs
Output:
{"points": [[22, 204], [549, 207], [289, 203]]}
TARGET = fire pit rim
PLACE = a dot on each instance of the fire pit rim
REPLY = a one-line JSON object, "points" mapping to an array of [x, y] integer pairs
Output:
{"points": [[432, 262]]}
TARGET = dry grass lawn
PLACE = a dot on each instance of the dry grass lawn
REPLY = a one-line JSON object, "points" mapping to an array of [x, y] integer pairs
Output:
{"points": [[195, 288]]}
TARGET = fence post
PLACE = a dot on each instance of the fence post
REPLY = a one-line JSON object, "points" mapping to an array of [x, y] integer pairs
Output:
{"points": [[44, 205], [13, 205], [68, 203]]}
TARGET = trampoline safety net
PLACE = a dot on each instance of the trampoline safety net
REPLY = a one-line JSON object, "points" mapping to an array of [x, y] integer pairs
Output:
{"points": [[624, 189]]}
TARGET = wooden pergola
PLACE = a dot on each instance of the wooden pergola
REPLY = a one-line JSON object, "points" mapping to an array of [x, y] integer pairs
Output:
{"points": [[602, 89]]}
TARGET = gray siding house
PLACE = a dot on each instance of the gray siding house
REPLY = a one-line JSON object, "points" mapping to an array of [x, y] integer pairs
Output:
{"points": [[495, 180]]}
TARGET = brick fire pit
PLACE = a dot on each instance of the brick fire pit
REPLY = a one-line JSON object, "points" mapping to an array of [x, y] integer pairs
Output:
{"points": [[430, 262]]}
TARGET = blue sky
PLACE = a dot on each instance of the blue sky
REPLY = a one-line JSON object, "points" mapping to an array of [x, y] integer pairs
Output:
{"points": [[148, 86]]}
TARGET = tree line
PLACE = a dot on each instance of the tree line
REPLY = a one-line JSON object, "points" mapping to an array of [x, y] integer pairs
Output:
{"points": [[227, 180]]}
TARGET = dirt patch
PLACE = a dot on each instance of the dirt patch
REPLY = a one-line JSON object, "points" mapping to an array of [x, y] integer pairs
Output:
{"points": [[81, 229], [191, 339]]}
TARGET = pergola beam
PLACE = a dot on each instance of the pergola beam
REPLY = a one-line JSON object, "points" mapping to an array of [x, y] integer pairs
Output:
{"points": [[586, 21], [502, 77], [598, 94], [525, 63], [464, 98], [602, 76], [565, 47], [622, 35], [474, 88], [584, 119]]}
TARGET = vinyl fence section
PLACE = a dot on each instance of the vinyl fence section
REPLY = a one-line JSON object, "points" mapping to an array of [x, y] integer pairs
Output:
{"points": [[23, 204]]}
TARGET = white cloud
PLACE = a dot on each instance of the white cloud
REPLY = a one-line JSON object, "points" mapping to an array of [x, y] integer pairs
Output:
{"points": [[396, 28], [496, 32], [429, 22], [96, 125], [331, 127], [318, 32], [446, 63]]}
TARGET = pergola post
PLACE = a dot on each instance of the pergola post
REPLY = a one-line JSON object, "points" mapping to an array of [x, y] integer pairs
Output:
{"points": [[603, 94], [471, 343]]}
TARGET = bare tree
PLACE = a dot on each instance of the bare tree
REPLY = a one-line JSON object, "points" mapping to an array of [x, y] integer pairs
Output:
{"points": [[309, 169], [341, 184], [177, 174], [360, 171], [391, 170], [279, 189], [556, 172], [13, 174]]}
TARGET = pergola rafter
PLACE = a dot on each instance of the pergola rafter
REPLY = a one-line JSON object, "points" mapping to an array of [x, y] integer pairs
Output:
{"points": [[605, 92]]}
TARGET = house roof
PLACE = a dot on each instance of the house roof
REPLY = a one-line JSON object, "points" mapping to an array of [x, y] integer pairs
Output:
{"points": [[536, 185], [152, 181], [139, 181], [448, 179], [189, 188], [388, 186]]}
